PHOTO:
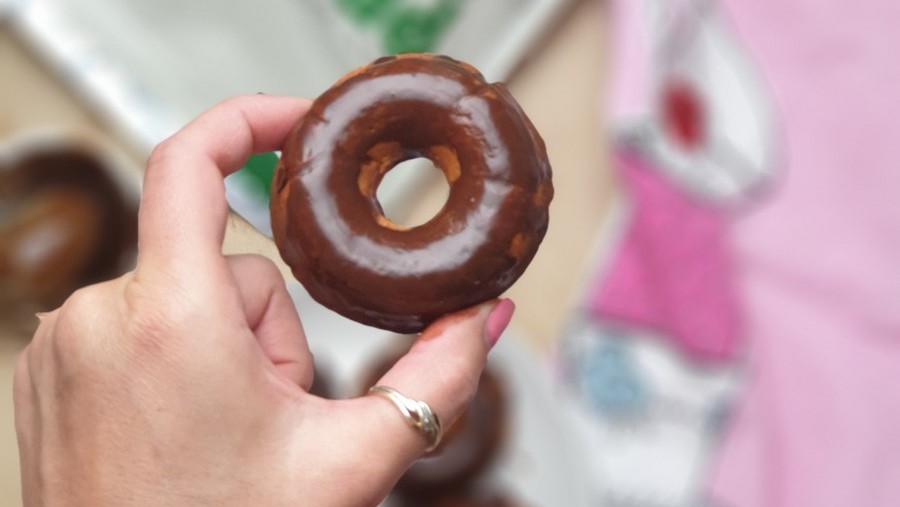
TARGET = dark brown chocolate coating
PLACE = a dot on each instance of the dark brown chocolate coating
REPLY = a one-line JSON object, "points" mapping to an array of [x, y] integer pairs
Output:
{"points": [[331, 230]]}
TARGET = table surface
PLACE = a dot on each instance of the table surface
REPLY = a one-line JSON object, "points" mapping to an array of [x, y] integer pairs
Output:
{"points": [[560, 85]]}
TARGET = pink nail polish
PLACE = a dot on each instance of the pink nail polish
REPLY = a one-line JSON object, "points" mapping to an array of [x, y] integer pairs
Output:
{"points": [[498, 320]]}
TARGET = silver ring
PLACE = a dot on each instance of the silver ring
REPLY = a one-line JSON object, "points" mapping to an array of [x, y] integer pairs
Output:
{"points": [[416, 412]]}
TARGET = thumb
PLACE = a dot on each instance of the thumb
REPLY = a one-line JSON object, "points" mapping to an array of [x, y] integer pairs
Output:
{"points": [[442, 369], [444, 365]]}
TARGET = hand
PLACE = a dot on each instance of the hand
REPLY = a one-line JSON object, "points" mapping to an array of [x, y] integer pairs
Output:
{"points": [[184, 383]]}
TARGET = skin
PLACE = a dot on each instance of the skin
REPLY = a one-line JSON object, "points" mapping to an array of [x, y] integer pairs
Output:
{"points": [[184, 382]]}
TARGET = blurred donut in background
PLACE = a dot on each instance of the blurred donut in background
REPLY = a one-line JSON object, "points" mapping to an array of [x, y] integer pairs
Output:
{"points": [[464, 501], [67, 220], [469, 447], [323, 384]]}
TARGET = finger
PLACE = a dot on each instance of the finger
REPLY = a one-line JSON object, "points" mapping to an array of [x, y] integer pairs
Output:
{"points": [[272, 317], [183, 208], [30, 379], [38, 352], [442, 368], [23, 401], [27, 425]]}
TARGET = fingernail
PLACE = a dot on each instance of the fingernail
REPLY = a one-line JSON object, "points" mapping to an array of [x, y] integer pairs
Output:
{"points": [[41, 316], [497, 321]]}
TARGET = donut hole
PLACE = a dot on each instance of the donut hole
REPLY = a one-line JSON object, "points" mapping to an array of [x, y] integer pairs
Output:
{"points": [[412, 192]]}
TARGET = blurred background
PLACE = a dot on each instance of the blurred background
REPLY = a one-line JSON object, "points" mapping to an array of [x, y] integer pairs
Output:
{"points": [[618, 379], [113, 78]]}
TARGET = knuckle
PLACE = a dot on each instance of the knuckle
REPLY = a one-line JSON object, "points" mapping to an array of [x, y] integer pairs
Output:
{"points": [[153, 318], [167, 150], [79, 311], [160, 152], [232, 102], [75, 329], [264, 267], [80, 302], [236, 101], [255, 268], [149, 315], [253, 259], [231, 108]]}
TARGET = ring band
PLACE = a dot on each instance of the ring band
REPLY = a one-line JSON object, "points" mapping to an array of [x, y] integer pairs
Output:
{"points": [[417, 412]]}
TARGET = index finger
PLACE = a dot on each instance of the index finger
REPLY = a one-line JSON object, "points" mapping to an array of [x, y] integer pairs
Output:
{"points": [[183, 209]]}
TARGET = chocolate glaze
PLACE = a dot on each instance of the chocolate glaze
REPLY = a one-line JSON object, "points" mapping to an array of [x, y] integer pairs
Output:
{"points": [[331, 230]]}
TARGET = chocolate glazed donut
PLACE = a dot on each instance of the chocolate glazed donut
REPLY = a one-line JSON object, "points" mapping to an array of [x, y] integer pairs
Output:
{"points": [[331, 230]]}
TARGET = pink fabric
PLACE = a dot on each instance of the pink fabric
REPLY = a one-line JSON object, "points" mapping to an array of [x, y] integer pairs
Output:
{"points": [[820, 265], [631, 85], [817, 264], [672, 272]]}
